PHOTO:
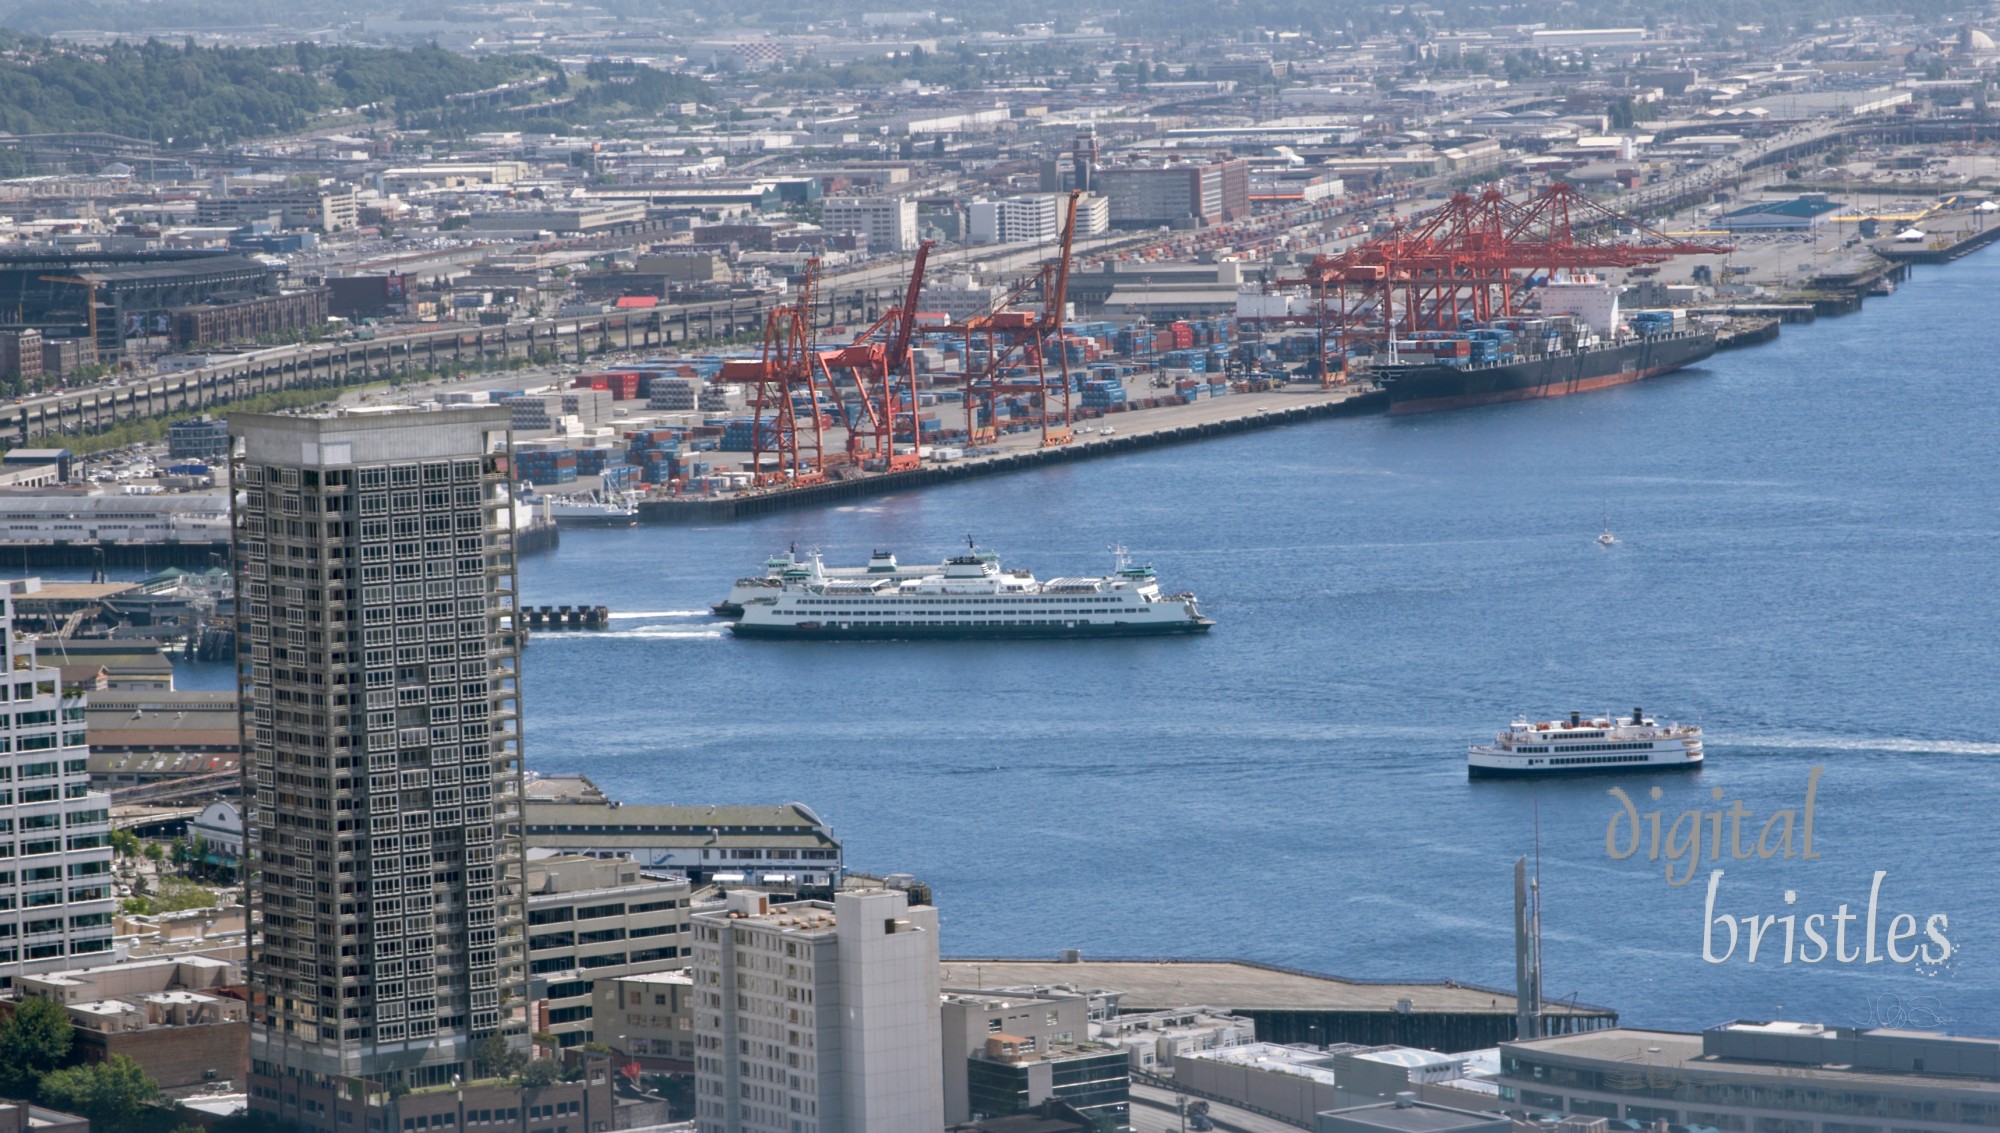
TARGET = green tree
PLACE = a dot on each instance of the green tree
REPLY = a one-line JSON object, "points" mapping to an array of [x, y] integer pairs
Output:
{"points": [[34, 1041], [541, 1072], [495, 1058], [125, 842], [155, 852], [110, 1092]]}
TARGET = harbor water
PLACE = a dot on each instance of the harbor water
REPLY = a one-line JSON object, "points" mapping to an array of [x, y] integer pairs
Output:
{"points": [[1808, 546]]}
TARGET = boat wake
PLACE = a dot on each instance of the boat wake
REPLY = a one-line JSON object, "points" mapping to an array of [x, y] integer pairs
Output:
{"points": [[641, 615], [1899, 745]]}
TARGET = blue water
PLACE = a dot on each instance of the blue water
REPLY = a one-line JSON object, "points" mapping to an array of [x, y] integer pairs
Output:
{"points": [[1809, 548]]}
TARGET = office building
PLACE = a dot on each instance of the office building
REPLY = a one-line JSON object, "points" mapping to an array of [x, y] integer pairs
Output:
{"points": [[379, 675], [1762, 1077], [1038, 217], [1013, 1074], [198, 438], [968, 1018], [890, 223], [817, 1017], [590, 920], [647, 1017], [21, 356], [55, 887]]}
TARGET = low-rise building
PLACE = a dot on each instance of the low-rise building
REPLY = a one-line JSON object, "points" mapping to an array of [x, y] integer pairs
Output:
{"points": [[1291, 1082], [21, 356], [326, 1105], [592, 919], [1153, 1039], [968, 1018], [200, 437], [699, 841], [1770, 1077], [1408, 1115], [184, 1021], [20, 1117], [648, 1017], [1013, 1074]]}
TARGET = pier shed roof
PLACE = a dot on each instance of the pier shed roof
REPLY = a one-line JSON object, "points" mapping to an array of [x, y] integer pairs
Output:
{"points": [[1241, 985]]}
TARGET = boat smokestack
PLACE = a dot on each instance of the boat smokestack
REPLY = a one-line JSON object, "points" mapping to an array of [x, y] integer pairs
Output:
{"points": [[1575, 719], [1638, 717]]}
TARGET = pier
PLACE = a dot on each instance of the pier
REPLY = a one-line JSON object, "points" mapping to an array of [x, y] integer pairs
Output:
{"points": [[1129, 432], [566, 617], [1292, 1006]]}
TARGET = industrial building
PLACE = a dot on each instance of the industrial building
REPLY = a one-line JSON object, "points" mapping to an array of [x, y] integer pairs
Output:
{"points": [[1773, 1077], [820, 1017], [410, 814]]}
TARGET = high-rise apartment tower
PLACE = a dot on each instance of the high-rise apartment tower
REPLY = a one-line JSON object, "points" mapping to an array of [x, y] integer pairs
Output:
{"points": [[378, 667]]}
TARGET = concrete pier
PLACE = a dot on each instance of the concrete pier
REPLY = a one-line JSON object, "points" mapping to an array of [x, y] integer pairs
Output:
{"points": [[1132, 431]]}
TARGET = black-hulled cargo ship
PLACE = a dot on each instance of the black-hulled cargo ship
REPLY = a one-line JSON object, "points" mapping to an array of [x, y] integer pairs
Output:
{"points": [[1434, 386]]}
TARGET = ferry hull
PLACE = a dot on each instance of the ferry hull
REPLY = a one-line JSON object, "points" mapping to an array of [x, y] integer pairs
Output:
{"points": [[726, 610], [1433, 388], [1474, 771], [965, 633]]}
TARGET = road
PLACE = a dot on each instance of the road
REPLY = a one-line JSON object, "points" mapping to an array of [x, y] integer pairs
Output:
{"points": [[1160, 1116]]}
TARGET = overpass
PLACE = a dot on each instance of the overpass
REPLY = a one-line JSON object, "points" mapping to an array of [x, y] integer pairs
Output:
{"points": [[350, 362]]}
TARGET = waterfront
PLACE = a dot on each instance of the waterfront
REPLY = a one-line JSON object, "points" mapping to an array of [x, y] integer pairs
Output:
{"points": [[1807, 548]]}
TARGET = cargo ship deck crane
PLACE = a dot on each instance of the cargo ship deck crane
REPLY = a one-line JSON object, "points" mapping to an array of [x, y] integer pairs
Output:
{"points": [[1471, 260], [1011, 348]]}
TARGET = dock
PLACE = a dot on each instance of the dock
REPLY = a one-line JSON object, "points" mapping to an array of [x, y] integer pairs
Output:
{"points": [[1132, 431], [1291, 1005]]}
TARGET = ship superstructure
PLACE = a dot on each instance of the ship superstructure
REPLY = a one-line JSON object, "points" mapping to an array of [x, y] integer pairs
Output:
{"points": [[972, 595], [1586, 745]]}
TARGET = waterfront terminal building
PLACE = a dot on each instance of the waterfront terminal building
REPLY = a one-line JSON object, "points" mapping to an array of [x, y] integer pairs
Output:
{"points": [[1762, 1077]]}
